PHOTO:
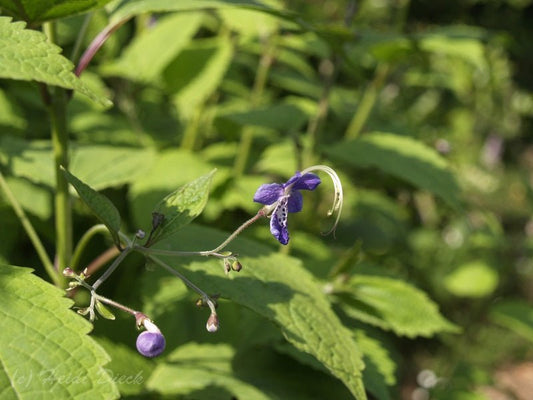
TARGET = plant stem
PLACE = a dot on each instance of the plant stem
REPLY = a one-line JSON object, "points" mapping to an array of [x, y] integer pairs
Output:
{"points": [[114, 304], [79, 39], [112, 268], [260, 214], [245, 144], [60, 141], [187, 282], [32, 234], [78, 251], [367, 102]]}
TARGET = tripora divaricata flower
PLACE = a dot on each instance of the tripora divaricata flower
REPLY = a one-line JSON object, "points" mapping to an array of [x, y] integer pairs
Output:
{"points": [[281, 199], [151, 342]]}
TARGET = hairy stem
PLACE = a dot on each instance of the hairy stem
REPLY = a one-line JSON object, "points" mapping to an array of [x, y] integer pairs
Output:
{"points": [[112, 268], [30, 231], [57, 109]]}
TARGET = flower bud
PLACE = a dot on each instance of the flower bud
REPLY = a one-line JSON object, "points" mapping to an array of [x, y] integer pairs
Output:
{"points": [[140, 234], [212, 323], [150, 344], [236, 266], [68, 272], [227, 267]]}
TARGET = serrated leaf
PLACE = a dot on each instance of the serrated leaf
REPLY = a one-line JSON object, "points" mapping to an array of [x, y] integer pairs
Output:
{"points": [[281, 289], [148, 54], [394, 305], [27, 55], [128, 369], [36, 11], [44, 350], [170, 169], [516, 315], [100, 205], [183, 205], [403, 157]]}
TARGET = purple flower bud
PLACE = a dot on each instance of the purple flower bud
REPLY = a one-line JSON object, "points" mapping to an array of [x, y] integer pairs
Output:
{"points": [[212, 323], [68, 272], [150, 344]]}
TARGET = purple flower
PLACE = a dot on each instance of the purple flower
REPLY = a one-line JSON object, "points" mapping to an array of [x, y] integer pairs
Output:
{"points": [[150, 344], [285, 198]]}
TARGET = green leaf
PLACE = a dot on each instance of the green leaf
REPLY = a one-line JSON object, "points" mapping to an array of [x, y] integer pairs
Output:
{"points": [[37, 11], [516, 315], [100, 205], [211, 367], [10, 114], [104, 311], [44, 350], [281, 289], [148, 54], [107, 166], [197, 72], [474, 279], [283, 117], [183, 205], [170, 169], [116, 165], [135, 7], [27, 55], [394, 305], [33, 198], [128, 369], [403, 157]]}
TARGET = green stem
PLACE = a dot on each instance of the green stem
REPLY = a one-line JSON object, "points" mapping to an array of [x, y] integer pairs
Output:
{"points": [[187, 282], [57, 109], [32, 234], [188, 142], [245, 144], [114, 304], [367, 102], [79, 39], [112, 268], [87, 236]]}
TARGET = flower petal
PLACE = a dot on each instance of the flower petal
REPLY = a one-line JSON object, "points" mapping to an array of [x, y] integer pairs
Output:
{"points": [[306, 182], [297, 175], [278, 222], [295, 202], [268, 194]]}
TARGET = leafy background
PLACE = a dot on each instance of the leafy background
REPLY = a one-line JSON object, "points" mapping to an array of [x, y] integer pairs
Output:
{"points": [[424, 110]]}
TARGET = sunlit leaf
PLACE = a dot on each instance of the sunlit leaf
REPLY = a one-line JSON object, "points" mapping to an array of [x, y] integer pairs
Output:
{"points": [[474, 279], [27, 55], [181, 206], [44, 350], [394, 305]]}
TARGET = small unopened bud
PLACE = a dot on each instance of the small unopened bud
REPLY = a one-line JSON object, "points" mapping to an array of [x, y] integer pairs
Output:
{"points": [[226, 253], [68, 272], [140, 234], [212, 323], [236, 266], [227, 267]]}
